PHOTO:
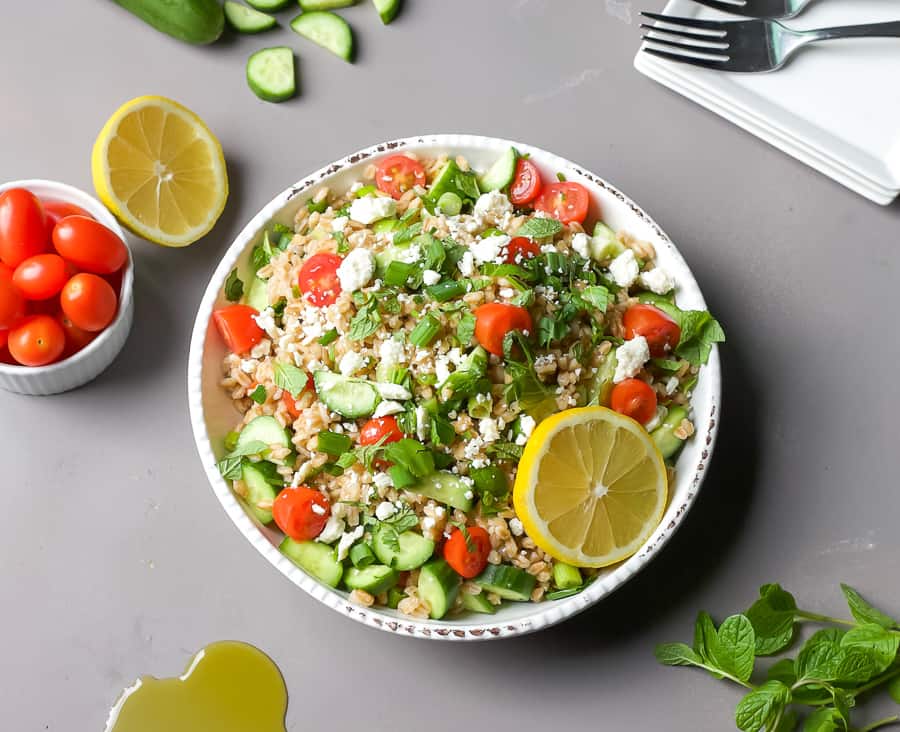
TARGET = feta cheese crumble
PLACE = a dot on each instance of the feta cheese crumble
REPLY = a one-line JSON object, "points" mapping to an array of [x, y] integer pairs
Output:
{"points": [[356, 270], [332, 531], [488, 429], [382, 480], [384, 510], [624, 269], [490, 249], [369, 209], [630, 358], [339, 223], [492, 203], [387, 407], [391, 353], [516, 527], [348, 539], [430, 277], [657, 280], [393, 391], [580, 244], [466, 264], [351, 362]]}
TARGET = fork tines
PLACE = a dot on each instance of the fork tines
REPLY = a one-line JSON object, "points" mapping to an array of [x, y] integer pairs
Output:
{"points": [[705, 44]]}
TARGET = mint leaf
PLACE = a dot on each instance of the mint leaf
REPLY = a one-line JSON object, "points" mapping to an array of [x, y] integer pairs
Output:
{"points": [[894, 689], [677, 654], [735, 650], [290, 378], [772, 617], [234, 287], [825, 719], [366, 321], [596, 295], [820, 656], [465, 329], [879, 646], [259, 394], [783, 671], [704, 636], [761, 707], [230, 465], [539, 227], [866, 613]]}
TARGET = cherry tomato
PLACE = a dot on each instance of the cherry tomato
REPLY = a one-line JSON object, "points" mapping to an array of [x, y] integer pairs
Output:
{"points": [[23, 226], [76, 338], [634, 398], [565, 201], [662, 333], [319, 280], [494, 320], [238, 328], [41, 276], [12, 303], [468, 558], [4, 336], [519, 248], [301, 513], [88, 301], [526, 183], [56, 210], [89, 245], [37, 341], [396, 174], [290, 403], [380, 428]]}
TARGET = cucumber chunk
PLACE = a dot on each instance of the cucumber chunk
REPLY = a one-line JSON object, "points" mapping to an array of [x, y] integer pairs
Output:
{"points": [[477, 603], [452, 179], [501, 173], [566, 577], [347, 396], [511, 583], [258, 294], [664, 435], [411, 551], [387, 9], [395, 594], [601, 383], [247, 20], [269, 5], [258, 490], [438, 586], [445, 487], [192, 21], [384, 226], [317, 560], [327, 30], [604, 244], [374, 579], [270, 74], [309, 5], [266, 430]]}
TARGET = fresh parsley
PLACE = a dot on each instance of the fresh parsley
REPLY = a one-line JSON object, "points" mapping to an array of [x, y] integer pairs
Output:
{"points": [[234, 287], [290, 378], [539, 227]]}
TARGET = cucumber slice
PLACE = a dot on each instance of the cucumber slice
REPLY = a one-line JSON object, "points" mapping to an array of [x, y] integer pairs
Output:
{"points": [[327, 30], [258, 294], [266, 430], [317, 560], [387, 9], [395, 594], [258, 489], [664, 435], [414, 549], [604, 243], [384, 226], [374, 579], [601, 384], [247, 20], [309, 5], [511, 583], [438, 586], [477, 603], [347, 396], [269, 5], [446, 488], [501, 173], [566, 577], [270, 74]]}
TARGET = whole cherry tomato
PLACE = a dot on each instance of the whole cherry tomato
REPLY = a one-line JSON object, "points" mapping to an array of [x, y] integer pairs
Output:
{"points": [[89, 245], [88, 301], [494, 320], [23, 226], [634, 398], [36, 341], [468, 557], [566, 201], [662, 333], [301, 513], [12, 303], [41, 276]]}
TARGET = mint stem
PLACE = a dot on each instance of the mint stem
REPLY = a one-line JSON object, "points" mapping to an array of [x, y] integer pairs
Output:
{"points": [[816, 618], [877, 681], [881, 723]]}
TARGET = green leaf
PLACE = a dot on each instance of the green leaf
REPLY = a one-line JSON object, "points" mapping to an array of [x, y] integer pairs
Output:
{"points": [[783, 671], [821, 656], [597, 296], [230, 465], [234, 287], [735, 650], [762, 706], [866, 613], [879, 645], [465, 329], [788, 721], [290, 378], [772, 617], [366, 321], [705, 636], [894, 689], [677, 654], [540, 227], [259, 394], [825, 719]]}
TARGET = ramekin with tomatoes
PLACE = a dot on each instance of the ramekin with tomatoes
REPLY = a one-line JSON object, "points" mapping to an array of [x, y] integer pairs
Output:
{"points": [[66, 277]]}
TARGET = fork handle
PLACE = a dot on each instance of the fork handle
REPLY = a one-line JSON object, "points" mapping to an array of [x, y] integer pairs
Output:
{"points": [[868, 30]]}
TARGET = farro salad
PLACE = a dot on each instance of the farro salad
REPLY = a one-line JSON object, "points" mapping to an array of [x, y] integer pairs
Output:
{"points": [[395, 353]]}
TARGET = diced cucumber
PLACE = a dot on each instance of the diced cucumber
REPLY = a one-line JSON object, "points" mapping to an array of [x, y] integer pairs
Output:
{"points": [[269, 5], [411, 551], [327, 30], [270, 74], [477, 603], [347, 396], [452, 179], [601, 383], [315, 559], [604, 243], [566, 577], [511, 583], [258, 294], [438, 586], [384, 226], [258, 490], [309, 5], [390, 253], [374, 579], [387, 9], [264, 429], [664, 435], [501, 173], [247, 20], [446, 487]]}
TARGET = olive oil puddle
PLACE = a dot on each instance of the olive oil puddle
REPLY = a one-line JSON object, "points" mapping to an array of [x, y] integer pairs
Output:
{"points": [[227, 687]]}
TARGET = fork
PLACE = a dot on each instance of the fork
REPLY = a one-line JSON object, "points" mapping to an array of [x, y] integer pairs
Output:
{"points": [[745, 45], [772, 9]]}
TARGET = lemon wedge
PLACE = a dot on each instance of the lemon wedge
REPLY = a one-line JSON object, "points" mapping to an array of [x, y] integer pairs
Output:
{"points": [[591, 486], [160, 170]]}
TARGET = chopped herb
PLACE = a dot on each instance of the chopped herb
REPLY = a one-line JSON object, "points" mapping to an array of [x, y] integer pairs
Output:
{"points": [[550, 330], [234, 287], [540, 228], [524, 299], [290, 378], [230, 465], [329, 337], [433, 250], [699, 332], [346, 460], [407, 234], [505, 451], [366, 453], [410, 213], [465, 329], [596, 295], [516, 347], [667, 365], [259, 394], [278, 309], [560, 177], [231, 440], [366, 321], [412, 455], [333, 443], [442, 431], [403, 519], [342, 246], [332, 469], [401, 477]]}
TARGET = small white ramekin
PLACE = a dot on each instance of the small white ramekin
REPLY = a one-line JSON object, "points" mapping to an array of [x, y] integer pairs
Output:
{"points": [[90, 361]]}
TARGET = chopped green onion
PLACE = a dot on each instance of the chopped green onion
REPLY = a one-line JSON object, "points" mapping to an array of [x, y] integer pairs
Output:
{"points": [[560, 177], [259, 394], [330, 337], [489, 479], [425, 332], [332, 469], [361, 555], [446, 290], [365, 191], [401, 477], [333, 443], [562, 594], [450, 204], [316, 206], [231, 440], [397, 273]]}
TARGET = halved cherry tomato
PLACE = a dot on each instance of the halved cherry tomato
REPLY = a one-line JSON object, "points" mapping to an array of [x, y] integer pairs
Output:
{"points": [[662, 333], [494, 320], [634, 398], [526, 185], [290, 403], [380, 428], [318, 279], [89, 245], [41, 276], [56, 210], [23, 226], [238, 328], [76, 338], [12, 303], [89, 301], [468, 558], [301, 513], [519, 248], [36, 341], [565, 201], [396, 174]]}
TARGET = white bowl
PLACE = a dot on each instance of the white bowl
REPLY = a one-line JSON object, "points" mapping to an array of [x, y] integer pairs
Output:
{"points": [[90, 361], [213, 415]]}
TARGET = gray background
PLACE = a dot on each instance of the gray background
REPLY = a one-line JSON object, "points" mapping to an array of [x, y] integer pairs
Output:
{"points": [[116, 559]]}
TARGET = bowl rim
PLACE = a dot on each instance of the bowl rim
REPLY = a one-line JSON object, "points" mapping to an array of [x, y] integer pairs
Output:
{"points": [[545, 614], [71, 194]]}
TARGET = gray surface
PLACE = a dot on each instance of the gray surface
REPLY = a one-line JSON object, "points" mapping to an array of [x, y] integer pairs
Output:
{"points": [[115, 558]]}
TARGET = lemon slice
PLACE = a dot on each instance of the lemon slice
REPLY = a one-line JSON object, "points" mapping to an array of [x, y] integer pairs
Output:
{"points": [[591, 486], [160, 170]]}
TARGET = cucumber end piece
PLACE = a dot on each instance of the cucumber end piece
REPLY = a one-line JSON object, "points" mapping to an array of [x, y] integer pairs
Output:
{"points": [[387, 9]]}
